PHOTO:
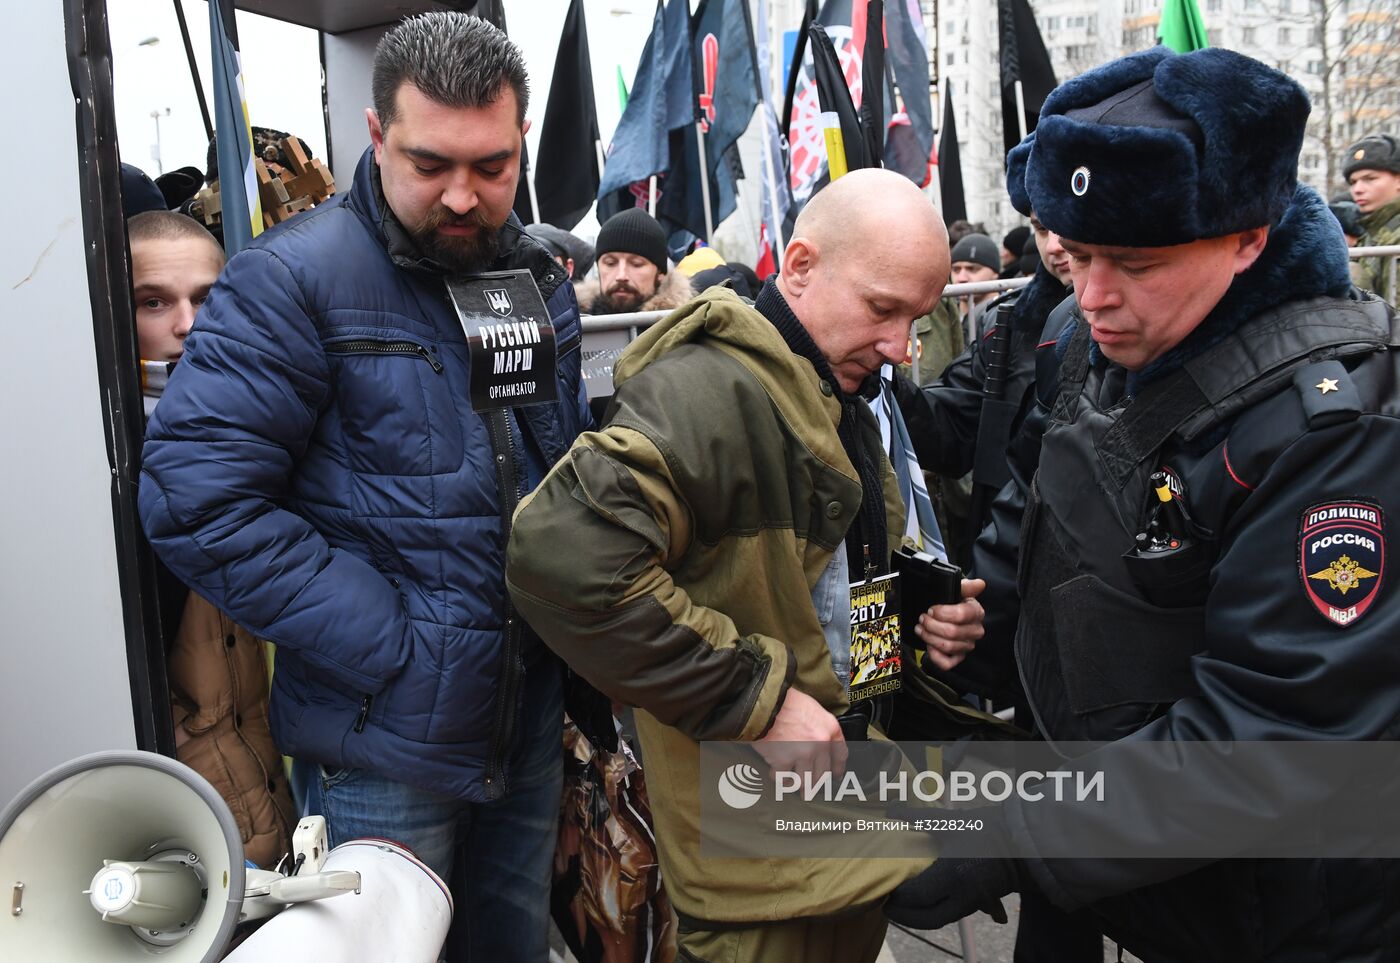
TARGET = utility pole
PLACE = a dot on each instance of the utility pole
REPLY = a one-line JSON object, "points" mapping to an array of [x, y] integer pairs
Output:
{"points": [[155, 148]]}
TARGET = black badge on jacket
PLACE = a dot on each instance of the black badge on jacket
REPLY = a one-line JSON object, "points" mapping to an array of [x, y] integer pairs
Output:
{"points": [[510, 339], [1341, 554]]}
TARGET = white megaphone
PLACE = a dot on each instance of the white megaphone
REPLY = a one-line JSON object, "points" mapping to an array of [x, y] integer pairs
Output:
{"points": [[133, 856]]}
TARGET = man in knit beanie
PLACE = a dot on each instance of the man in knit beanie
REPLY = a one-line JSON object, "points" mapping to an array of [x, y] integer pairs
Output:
{"points": [[975, 258], [634, 272]]}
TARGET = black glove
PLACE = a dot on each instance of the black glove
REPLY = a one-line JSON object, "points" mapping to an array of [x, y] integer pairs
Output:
{"points": [[591, 711], [951, 889]]}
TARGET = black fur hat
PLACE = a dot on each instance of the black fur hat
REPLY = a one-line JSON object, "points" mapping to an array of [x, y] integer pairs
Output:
{"points": [[1016, 175], [1157, 148]]}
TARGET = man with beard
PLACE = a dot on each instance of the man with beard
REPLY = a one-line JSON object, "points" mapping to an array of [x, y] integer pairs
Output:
{"points": [[633, 269], [317, 471]]}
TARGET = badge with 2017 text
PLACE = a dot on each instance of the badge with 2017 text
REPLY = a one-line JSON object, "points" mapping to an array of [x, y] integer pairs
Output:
{"points": [[1341, 554], [509, 338], [875, 653]]}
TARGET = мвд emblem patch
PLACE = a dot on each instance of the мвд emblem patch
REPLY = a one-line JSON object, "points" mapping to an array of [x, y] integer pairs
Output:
{"points": [[1341, 556]]}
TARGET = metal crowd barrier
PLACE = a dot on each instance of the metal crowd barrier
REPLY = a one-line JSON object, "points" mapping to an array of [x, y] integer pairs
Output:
{"points": [[1391, 251], [633, 323], [605, 335]]}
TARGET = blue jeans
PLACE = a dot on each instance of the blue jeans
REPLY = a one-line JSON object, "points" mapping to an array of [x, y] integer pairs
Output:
{"points": [[497, 856]]}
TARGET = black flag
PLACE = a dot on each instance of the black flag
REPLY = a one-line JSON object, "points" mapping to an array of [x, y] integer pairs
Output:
{"points": [[523, 208], [835, 97], [724, 81], [872, 82], [492, 11], [566, 171], [795, 71], [1024, 59], [950, 184]]}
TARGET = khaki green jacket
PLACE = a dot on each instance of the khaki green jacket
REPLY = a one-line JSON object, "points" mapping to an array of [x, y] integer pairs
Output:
{"points": [[670, 560], [1382, 228]]}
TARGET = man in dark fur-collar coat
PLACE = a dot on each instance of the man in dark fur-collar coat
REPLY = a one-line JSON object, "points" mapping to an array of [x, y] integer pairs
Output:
{"points": [[634, 271]]}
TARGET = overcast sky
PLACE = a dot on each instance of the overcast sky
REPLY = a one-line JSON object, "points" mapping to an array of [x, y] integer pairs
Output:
{"points": [[282, 71]]}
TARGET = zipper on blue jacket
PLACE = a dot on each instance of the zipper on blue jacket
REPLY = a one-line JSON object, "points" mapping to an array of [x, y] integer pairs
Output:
{"points": [[367, 346], [498, 425], [364, 713]]}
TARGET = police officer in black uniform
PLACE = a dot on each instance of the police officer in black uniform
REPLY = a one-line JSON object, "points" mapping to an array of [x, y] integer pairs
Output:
{"points": [[968, 419], [965, 421], [1202, 558]]}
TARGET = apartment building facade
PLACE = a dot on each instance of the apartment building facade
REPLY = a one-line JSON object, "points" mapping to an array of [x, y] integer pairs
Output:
{"points": [[1345, 53]]}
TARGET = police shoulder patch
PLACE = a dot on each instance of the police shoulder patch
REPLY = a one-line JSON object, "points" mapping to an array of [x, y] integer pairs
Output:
{"points": [[1341, 557]]}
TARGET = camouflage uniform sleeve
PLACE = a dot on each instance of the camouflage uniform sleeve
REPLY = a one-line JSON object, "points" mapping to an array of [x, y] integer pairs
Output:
{"points": [[1375, 271]]}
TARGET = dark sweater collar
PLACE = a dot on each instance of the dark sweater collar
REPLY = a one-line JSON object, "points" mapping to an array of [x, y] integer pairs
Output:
{"points": [[772, 305]]}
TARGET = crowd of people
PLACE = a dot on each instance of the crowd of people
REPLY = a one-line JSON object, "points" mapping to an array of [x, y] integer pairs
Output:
{"points": [[443, 580]]}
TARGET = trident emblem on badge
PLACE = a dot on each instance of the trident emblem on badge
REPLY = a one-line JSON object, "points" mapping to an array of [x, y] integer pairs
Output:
{"points": [[498, 299]]}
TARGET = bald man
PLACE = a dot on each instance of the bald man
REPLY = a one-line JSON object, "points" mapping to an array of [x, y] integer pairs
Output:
{"points": [[716, 526]]}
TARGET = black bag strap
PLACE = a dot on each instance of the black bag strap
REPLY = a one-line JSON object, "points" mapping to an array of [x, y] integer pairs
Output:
{"points": [[1073, 372]]}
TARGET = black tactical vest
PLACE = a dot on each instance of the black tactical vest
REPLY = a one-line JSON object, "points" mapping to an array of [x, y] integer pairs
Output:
{"points": [[1105, 638]]}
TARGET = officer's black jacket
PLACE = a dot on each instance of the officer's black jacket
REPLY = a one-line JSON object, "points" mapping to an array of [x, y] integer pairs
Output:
{"points": [[945, 421], [943, 417], [1283, 404]]}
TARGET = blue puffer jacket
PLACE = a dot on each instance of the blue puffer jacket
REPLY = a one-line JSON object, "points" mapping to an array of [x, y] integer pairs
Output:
{"points": [[316, 471]]}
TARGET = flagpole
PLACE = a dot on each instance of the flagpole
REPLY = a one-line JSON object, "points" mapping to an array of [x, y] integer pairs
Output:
{"points": [[534, 201], [1021, 109], [651, 195], [935, 51], [767, 28], [598, 146], [775, 58], [194, 71], [745, 211], [704, 180], [936, 181], [771, 182]]}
